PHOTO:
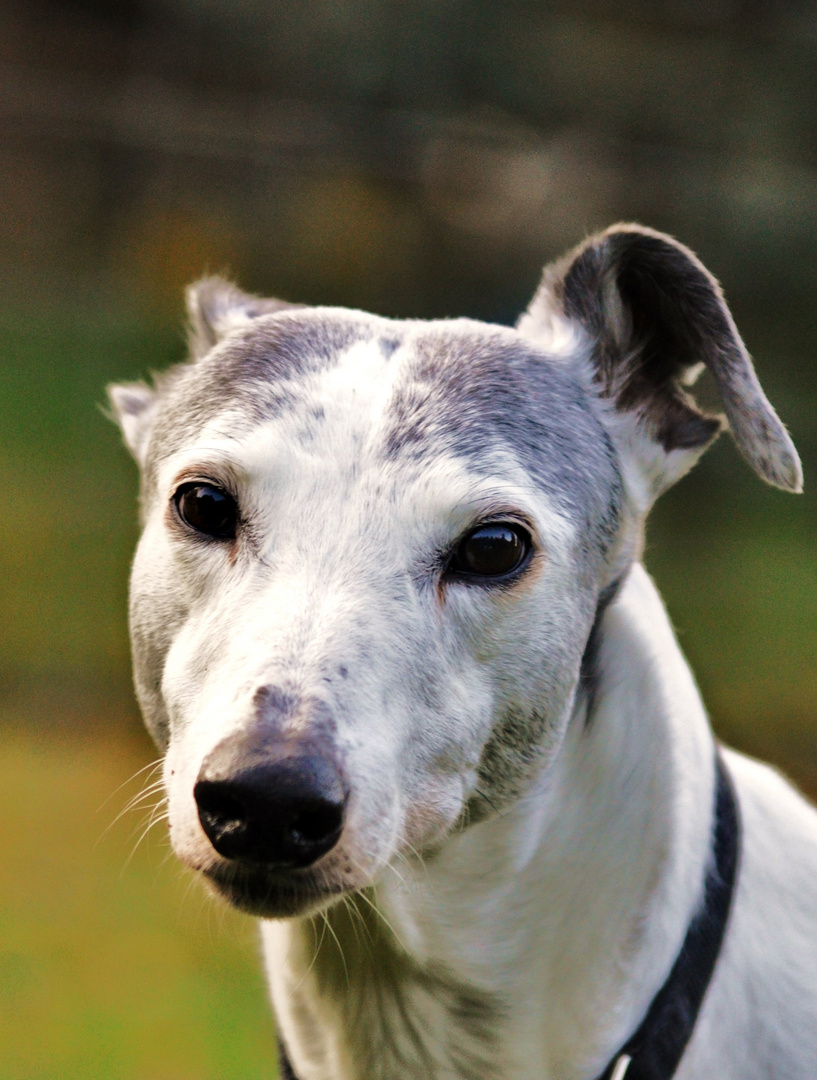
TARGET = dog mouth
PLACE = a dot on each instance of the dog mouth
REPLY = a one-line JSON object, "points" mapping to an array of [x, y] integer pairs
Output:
{"points": [[268, 893]]}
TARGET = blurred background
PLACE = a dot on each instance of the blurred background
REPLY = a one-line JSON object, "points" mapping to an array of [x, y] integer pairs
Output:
{"points": [[418, 158]]}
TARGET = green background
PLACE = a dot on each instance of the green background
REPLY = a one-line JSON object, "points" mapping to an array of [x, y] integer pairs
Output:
{"points": [[417, 158]]}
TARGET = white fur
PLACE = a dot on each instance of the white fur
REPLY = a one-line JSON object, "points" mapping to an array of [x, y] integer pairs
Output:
{"points": [[563, 911]]}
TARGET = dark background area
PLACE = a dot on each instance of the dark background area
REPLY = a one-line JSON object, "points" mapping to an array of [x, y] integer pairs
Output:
{"points": [[417, 158]]}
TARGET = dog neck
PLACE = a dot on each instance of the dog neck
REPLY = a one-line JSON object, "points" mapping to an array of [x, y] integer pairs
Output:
{"points": [[531, 944]]}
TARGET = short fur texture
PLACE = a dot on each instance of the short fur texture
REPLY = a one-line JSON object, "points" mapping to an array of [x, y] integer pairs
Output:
{"points": [[529, 763]]}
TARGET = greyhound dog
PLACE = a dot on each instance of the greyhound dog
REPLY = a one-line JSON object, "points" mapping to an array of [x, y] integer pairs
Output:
{"points": [[421, 707]]}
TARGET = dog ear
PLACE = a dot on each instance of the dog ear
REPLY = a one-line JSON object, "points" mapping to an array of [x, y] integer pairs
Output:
{"points": [[216, 306], [134, 409], [653, 314]]}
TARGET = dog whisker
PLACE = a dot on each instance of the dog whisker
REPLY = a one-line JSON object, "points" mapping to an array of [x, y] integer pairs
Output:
{"points": [[152, 823], [377, 909], [134, 803], [329, 927], [315, 951], [151, 767]]}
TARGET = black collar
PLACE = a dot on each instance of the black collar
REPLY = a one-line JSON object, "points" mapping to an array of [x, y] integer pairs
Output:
{"points": [[656, 1048]]}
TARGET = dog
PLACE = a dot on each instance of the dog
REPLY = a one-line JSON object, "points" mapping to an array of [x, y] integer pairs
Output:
{"points": [[421, 707]]}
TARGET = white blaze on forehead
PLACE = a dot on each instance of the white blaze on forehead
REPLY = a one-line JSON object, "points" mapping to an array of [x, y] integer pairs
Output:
{"points": [[331, 419], [361, 382]]}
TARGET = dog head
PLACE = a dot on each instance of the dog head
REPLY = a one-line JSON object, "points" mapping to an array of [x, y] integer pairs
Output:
{"points": [[373, 551]]}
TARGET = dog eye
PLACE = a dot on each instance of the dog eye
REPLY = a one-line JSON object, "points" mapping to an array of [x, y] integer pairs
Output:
{"points": [[491, 551], [208, 510]]}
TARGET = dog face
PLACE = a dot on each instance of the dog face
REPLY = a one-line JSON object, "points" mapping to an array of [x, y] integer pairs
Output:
{"points": [[373, 552]]}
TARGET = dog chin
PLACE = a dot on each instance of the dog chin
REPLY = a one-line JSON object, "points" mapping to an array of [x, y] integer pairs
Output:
{"points": [[271, 895]]}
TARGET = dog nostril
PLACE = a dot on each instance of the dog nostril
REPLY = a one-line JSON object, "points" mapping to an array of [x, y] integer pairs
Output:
{"points": [[222, 815], [286, 812]]}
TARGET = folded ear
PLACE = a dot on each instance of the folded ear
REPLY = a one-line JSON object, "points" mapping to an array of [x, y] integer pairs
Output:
{"points": [[653, 314], [215, 307]]}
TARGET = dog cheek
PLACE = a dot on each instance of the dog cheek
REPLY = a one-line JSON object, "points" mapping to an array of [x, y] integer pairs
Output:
{"points": [[437, 786], [156, 617], [432, 812], [151, 641], [533, 668]]}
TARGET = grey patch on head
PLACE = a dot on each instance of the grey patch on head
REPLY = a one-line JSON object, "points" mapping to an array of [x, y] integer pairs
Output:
{"points": [[477, 392], [483, 394], [512, 755], [653, 312], [276, 710], [274, 704]]}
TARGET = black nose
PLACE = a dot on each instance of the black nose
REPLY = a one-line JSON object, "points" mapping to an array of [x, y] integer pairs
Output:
{"points": [[280, 803]]}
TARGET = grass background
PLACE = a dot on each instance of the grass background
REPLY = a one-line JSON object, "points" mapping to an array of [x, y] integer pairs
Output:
{"points": [[111, 966]]}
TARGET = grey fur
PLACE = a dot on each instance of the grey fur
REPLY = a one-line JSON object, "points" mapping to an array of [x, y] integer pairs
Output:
{"points": [[478, 390]]}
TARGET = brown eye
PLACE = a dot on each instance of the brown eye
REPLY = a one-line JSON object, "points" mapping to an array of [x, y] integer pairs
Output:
{"points": [[208, 509], [491, 551]]}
